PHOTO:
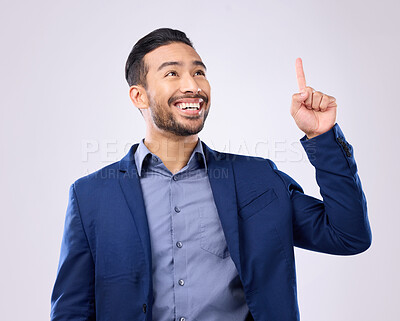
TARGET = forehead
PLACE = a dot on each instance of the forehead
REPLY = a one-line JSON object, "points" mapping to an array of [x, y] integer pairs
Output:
{"points": [[176, 51]]}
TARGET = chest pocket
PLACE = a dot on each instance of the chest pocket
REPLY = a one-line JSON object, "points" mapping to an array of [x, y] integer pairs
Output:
{"points": [[257, 204], [212, 238]]}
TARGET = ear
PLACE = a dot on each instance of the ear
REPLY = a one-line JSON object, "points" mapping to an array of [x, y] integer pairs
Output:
{"points": [[138, 95]]}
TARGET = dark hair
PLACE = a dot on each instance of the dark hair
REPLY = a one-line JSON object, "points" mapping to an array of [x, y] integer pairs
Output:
{"points": [[135, 68]]}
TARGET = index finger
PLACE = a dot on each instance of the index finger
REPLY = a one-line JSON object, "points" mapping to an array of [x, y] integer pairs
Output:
{"points": [[301, 79]]}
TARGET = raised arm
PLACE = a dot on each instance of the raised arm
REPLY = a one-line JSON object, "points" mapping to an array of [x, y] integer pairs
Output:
{"points": [[338, 224]]}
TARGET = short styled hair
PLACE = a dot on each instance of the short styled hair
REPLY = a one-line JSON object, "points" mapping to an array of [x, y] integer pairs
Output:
{"points": [[135, 68]]}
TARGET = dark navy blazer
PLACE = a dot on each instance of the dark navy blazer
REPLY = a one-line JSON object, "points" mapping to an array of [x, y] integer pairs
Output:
{"points": [[105, 263]]}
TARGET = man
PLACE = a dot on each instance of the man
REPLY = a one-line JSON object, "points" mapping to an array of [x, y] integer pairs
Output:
{"points": [[178, 231]]}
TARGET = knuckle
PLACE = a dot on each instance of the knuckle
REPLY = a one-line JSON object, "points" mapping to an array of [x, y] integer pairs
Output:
{"points": [[318, 94]]}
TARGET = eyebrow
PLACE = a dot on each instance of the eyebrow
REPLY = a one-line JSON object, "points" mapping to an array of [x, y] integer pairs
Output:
{"points": [[178, 63]]}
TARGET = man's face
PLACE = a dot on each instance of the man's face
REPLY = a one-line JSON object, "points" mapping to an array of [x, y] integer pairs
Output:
{"points": [[177, 89]]}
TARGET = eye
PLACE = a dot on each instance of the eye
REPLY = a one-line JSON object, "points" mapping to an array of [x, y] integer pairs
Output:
{"points": [[200, 72], [172, 73]]}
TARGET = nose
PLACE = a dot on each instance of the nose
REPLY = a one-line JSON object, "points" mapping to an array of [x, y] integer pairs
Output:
{"points": [[189, 84]]}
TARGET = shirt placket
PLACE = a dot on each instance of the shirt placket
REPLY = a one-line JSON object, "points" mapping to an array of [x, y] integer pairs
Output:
{"points": [[179, 239]]}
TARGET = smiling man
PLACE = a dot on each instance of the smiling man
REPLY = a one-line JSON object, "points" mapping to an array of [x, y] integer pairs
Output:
{"points": [[178, 231], [174, 98]]}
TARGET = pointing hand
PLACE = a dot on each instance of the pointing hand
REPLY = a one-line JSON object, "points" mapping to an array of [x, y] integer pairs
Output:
{"points": [[313, 111]]}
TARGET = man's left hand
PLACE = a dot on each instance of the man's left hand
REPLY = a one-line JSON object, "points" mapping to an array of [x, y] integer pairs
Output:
{"points": [[313, 111]]}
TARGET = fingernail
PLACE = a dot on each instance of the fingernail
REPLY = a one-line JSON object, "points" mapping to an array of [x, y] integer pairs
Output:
{"points": [[303, 93]]}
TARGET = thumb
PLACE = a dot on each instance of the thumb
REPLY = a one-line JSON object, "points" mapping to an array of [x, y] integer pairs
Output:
{"points": [[297, 101]]}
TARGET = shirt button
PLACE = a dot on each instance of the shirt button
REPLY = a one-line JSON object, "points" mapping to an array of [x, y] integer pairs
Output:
{"points": [[182, 319], [181, 282], [179, 244], [174, 178], [155, 158], [177, 209]]}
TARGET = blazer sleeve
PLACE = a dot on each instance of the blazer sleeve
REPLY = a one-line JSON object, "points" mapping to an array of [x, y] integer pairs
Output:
{"points": [[338, 224], [73, 293]]}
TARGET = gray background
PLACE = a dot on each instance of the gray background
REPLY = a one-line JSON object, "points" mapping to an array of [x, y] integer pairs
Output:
{"points": [[63, 93]]}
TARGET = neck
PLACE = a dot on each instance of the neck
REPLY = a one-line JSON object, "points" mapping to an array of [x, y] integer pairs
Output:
{"points": [[174, 151]]}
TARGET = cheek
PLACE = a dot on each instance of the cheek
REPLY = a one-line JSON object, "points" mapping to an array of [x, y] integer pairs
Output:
{"points": [[159, 98], [165, 92], [207, 90], [205, 87], [160, 90]]}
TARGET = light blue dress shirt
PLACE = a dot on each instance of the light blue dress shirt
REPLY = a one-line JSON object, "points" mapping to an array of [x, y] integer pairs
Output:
{"points": [[194, 277]]}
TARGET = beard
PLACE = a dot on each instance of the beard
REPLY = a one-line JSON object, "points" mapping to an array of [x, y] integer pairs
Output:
{"points": [[164, 119]]}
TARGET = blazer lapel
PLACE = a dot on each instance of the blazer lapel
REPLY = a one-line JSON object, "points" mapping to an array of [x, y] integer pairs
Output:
{"points": [[220, 174], [131, 188]]}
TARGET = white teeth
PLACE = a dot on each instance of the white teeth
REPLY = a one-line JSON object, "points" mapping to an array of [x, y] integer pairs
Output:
{"points": [[188, 105]]}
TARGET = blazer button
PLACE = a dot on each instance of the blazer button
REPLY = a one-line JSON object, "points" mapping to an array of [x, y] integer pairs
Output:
{"points": [[144, 308]]}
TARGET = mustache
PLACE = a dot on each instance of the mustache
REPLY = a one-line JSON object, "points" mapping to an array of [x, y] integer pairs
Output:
{"points": [[174, 99]]}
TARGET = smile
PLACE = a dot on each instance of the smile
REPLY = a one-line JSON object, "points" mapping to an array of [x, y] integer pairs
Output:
{"points": [[190, 105]]}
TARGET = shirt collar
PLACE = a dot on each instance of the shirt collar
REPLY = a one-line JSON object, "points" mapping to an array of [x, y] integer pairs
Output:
{"points": [[142, 154]]}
